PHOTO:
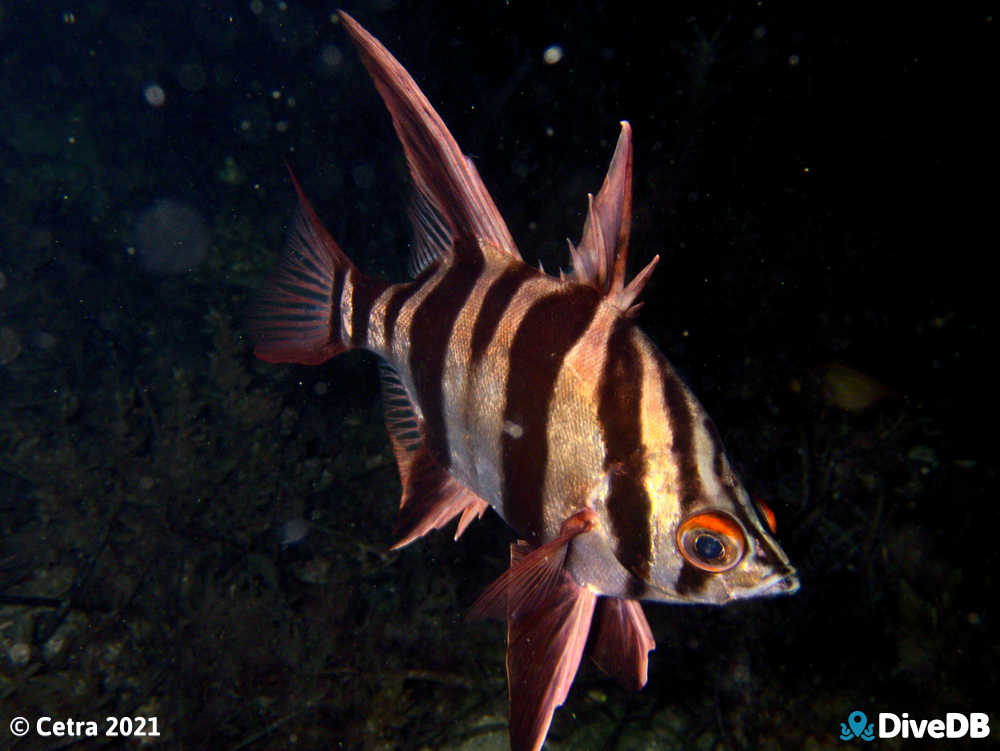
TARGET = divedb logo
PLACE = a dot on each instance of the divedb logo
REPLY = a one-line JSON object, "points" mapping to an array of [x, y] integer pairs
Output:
{"points": [[954, 725], [891, 725]]}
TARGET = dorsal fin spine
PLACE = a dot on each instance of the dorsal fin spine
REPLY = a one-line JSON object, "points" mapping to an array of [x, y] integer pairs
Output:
{"points": [[601, 258]]}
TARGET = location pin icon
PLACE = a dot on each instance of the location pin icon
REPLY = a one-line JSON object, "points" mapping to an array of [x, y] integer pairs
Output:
{"points": [[857, 721]]}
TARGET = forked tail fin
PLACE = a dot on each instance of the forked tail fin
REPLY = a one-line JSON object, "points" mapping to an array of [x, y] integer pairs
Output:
{"points": [[297, 316]]}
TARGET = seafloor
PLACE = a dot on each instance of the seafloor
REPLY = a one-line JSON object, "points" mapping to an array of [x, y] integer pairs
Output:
{"points": [[192, 535]]}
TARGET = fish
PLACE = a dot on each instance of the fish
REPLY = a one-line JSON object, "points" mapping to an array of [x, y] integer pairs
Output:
{"points": [[534, 395]]}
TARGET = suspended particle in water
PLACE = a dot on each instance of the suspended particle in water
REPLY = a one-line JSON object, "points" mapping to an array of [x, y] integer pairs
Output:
{"points": [[10, 345], [330, 59], [363, 175], [170, 237], [292, 532], [154, 95], [191, 77], [19, 654]]}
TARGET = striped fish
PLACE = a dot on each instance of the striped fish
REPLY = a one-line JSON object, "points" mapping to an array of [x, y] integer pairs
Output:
{"points": [[539, 397]]}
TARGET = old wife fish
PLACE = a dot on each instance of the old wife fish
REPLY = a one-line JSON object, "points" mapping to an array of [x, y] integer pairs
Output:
{"points": [[536, 396]]}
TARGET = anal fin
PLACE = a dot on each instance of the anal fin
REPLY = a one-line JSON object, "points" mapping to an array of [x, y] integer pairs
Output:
{"points": [[431, 496], [431, 499]]}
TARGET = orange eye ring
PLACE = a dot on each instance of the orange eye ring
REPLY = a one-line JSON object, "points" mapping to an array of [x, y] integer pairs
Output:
{"points": [[711, 540]]}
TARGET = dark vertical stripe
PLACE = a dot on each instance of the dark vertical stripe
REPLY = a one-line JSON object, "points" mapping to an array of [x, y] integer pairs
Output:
{"points": [[495, 304], [363, 296], [682, 431], [430, 335], [400, 294], [635, 588], [547, 332], [691, 580], [726, 480], [619, 406], [336, 334], [717, 452]]}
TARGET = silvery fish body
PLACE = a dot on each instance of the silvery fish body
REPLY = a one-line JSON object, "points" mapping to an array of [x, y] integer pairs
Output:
{"points": [[539, 397]]}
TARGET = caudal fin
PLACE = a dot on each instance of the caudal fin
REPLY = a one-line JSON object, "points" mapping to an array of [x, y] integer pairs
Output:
{"points": [[296, 317]]}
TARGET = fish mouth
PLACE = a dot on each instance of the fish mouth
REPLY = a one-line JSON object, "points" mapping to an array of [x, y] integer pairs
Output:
{"points": [[788, 583], [782, 583]]}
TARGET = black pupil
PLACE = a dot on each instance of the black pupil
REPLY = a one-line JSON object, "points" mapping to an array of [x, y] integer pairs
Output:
{"points": [[708, 547]]}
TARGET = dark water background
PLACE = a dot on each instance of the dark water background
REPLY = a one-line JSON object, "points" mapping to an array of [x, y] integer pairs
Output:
{"points": [[810, 174]]}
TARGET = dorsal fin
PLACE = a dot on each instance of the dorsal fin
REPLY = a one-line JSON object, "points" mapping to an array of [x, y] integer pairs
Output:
{"points": [[601, 256], [431, 237], [445, 178]]}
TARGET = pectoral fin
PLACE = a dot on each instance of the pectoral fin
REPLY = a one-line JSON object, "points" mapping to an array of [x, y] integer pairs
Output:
{"points": [[548, 619], [544, 648]]}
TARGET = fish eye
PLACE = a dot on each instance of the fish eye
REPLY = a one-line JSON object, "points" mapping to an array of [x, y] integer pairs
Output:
{"points": [[712, 541], [709, 547]]}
